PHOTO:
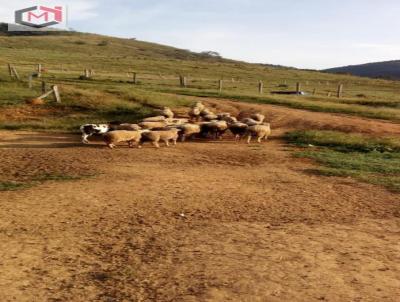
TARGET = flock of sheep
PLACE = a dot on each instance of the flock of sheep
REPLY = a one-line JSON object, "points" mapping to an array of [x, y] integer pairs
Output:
{"points": [[165, 128]]}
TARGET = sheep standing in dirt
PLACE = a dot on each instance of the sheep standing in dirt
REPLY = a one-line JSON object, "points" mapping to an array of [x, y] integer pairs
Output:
{"points": [[176, 121], [118, 136], [238, 130], [229, 119], [151, 125], [210, 117], [194, 113], [159, 118], [215, 128], [161, 135], [167, 113], [200, 106], [258, 117], [259, 131], [188, 130], [250, 122], [206, 111]]}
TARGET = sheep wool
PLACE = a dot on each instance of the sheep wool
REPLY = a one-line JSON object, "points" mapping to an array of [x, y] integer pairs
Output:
{"points": [[259, 131], [151, 125], [118, 136], [164, 135]]}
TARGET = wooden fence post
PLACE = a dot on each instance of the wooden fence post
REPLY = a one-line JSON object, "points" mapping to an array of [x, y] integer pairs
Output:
{"points": [[314, 91], [43, 87], [340, 91], [30, 81], [56, 94], [134, 77], [182, 81], [46, 94], [298, 87], [260, 87], [14, 71], [39, 70], [220, 85], [10, 70]]}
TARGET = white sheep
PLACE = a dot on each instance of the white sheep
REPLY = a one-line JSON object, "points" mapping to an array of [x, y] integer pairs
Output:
{"points": [[125, 126], [118, 136], [176, 121], [163, 135], [229, 119], [259, 131], [249, 121], [199, 105], [206, 111], [151, 125], [210, 117], [238, 129], [222, 115], [194, 113], [167, 112], [159, 118], [188, 130], [215, 128], [258, 117]]}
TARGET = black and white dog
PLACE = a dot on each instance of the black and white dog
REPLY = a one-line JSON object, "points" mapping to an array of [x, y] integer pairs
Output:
{"points": [[90, 129]]}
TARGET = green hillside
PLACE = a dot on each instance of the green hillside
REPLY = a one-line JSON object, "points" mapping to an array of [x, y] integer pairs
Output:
{"points": [[384, 70], [110, 93]]}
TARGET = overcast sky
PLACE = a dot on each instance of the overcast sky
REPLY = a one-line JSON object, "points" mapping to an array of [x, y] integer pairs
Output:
{"points": [[301, 33]]}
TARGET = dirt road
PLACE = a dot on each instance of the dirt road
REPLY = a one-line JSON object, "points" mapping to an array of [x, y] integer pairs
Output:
{"points": [[202, 221]]}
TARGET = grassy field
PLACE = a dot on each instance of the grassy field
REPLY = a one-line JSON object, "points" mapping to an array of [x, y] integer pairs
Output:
{"points": [[110, 95], [341, 154]]}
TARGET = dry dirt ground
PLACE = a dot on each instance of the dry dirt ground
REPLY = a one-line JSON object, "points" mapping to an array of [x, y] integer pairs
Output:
{"points": [[202, 221]]}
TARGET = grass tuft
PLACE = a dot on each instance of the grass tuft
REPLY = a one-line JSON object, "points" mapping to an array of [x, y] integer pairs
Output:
{"points": [[373, 160]]}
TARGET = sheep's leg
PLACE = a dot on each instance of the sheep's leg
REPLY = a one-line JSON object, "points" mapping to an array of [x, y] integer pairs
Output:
{"points": [[174, 141], [249, 139], [155, 143], [137, 143], [111, 146], [166, 143], [183, 137]]}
